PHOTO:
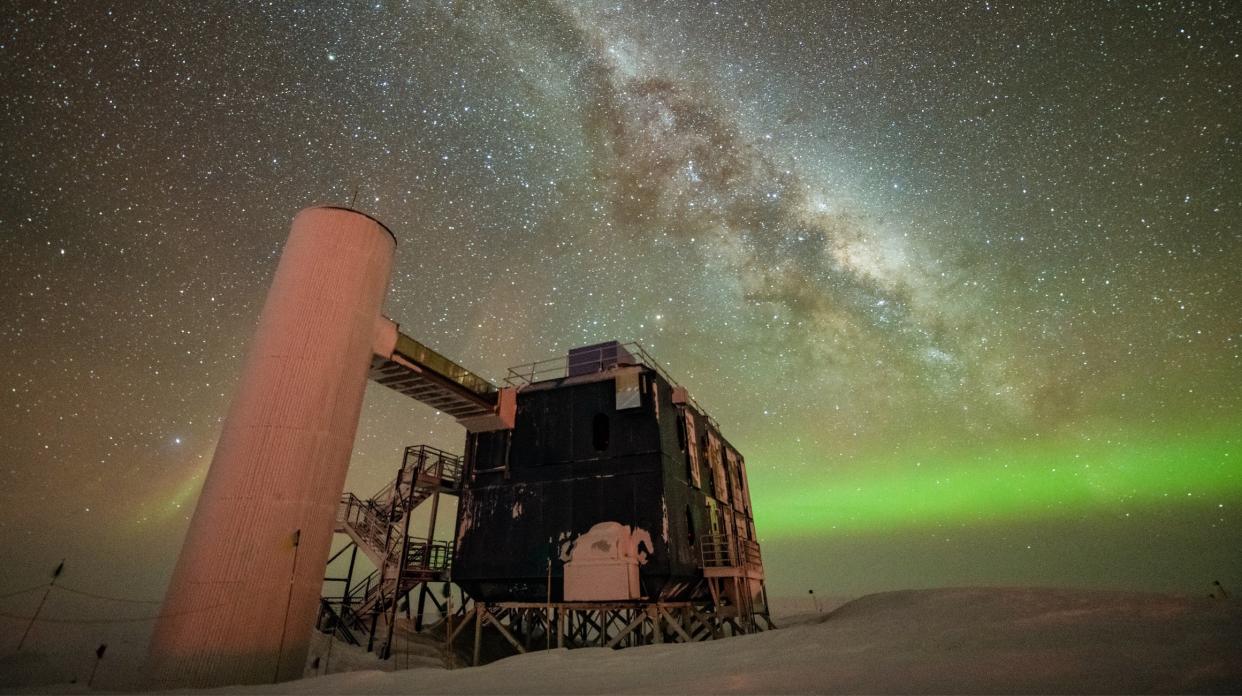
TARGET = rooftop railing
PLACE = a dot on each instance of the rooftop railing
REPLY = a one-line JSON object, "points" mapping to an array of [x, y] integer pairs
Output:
{"points": [[558, 367]]}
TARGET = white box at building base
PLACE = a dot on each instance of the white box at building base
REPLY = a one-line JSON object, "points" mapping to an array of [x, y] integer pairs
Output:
{"points": [[603, 565]]}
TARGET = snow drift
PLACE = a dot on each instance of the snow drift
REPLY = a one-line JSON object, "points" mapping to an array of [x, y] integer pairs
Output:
{"points": [[922, 642], [929, 641]]}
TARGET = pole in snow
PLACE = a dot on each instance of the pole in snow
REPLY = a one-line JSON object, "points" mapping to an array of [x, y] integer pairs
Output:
{"points": [[55, 574], [99, 653]]}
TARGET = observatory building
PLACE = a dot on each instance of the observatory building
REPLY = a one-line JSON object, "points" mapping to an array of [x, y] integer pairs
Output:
{"points": [[598, 503], [612, 485]]}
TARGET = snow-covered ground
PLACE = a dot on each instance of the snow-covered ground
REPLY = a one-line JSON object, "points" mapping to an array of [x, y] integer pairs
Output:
{"points": [[974, 640]]}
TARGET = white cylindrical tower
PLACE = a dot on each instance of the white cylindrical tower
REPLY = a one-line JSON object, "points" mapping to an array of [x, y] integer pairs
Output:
{"points": [[245, 592]]}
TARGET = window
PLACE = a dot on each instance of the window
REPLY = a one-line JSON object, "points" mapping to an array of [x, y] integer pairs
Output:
{"points": [[690, 526], [692, 449], [681, 433], [599, 432]]}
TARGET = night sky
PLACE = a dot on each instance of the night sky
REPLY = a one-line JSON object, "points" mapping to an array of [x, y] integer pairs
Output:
{"points": [[960, 280]]}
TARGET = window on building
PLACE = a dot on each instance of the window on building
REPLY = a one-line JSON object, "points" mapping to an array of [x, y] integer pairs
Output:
{"points": [[690, 536], [681, 433], [692, 448], [599, 432]]}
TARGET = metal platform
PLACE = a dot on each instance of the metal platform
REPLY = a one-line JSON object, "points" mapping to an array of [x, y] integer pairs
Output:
{"points": [[528, 626]]}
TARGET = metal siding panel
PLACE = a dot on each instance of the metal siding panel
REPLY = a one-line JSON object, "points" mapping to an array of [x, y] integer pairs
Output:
{"points": [[642, 472]]}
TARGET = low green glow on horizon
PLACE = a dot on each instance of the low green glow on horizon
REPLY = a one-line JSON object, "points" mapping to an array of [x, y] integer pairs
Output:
{"points": [[1031, 482]]}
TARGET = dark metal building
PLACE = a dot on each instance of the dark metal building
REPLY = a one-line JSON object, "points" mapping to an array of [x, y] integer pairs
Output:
{"points": [[612, 486]]}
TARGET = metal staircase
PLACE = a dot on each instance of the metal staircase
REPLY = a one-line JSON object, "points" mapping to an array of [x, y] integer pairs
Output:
{"points": [[379, 527], [733, 567]]}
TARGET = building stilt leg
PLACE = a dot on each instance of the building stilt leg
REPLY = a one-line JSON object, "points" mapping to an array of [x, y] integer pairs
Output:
{"points": [[478, 633]]}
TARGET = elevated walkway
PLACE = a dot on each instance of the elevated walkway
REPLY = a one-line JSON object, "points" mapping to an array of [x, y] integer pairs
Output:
{"points": [[408, 367]]}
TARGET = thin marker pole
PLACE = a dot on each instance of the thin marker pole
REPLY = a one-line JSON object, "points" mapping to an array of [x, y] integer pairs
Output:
{"points": [[33, 619], [99, 653]]}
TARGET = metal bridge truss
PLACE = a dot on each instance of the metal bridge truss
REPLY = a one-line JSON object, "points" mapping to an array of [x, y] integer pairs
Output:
{"points": [[733, 578]]}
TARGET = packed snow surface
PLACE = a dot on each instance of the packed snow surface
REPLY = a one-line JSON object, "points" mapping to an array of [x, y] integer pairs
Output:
{"points": [[922, 642]]}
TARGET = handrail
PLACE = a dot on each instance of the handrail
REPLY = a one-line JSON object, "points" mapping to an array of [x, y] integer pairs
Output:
{"points": [[418, 353], [367, 523], [558, 368], [424, 458], [330, 618], [365, 518], [724, 551], [426, 554], [379, 524], [365, 586]]}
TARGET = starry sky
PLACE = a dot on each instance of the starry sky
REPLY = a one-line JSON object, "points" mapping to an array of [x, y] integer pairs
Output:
{"points": [[960, 280]]}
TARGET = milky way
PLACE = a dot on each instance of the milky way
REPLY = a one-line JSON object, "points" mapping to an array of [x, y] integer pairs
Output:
{"points": [[959, 280]]}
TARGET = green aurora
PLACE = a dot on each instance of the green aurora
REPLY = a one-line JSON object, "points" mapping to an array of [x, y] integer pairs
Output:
{"points": [[1027, 483]]}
